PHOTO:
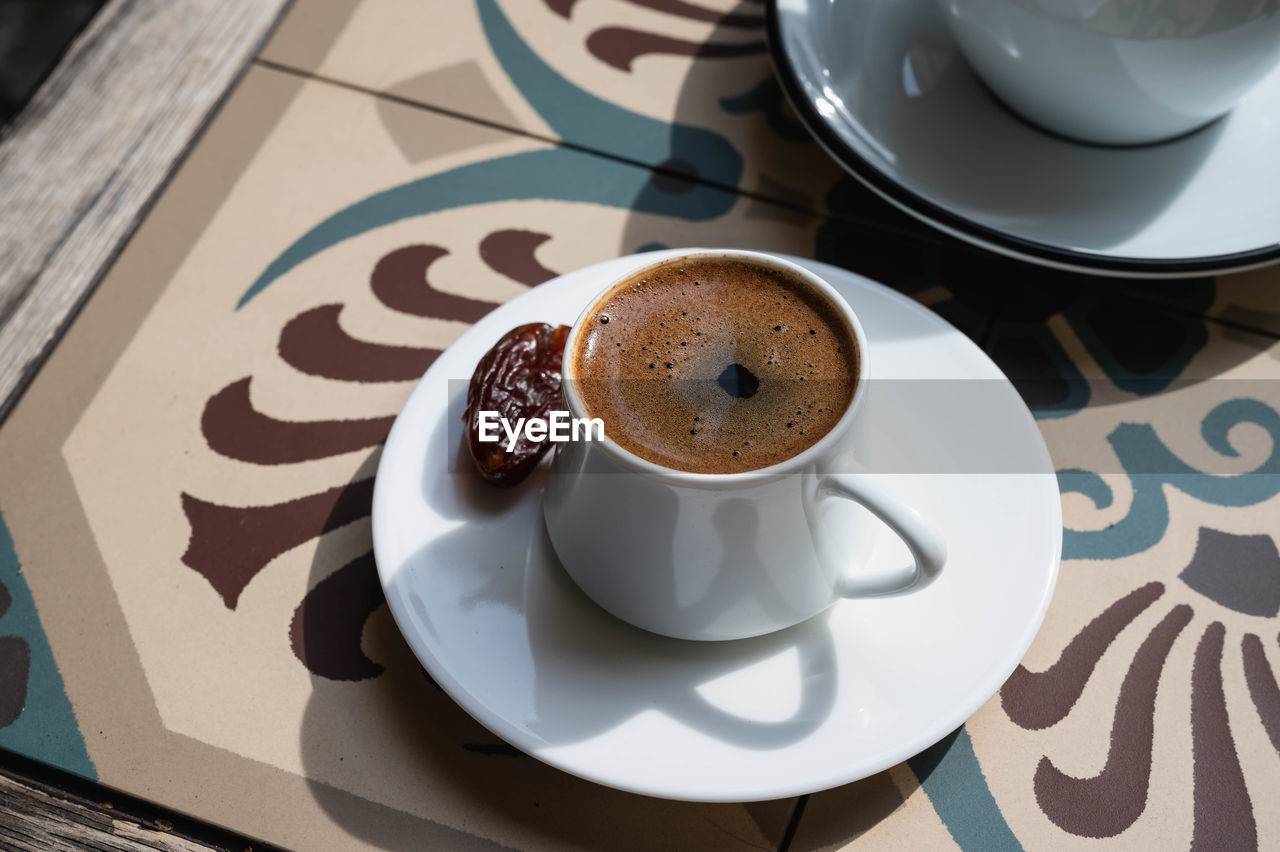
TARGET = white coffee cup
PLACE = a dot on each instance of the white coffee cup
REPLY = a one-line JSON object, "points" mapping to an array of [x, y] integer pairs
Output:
{"points": [[1118, 72], [727, 556]]}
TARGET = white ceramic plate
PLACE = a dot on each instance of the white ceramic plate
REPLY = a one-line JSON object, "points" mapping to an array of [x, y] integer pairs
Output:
{"points": [[487, 609], [882, 86]]}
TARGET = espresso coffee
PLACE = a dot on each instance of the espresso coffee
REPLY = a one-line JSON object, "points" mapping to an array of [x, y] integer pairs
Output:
{"points": [[715, 365]]}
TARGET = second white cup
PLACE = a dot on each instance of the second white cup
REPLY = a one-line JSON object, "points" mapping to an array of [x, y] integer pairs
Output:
{"points": [[1118, 72]]}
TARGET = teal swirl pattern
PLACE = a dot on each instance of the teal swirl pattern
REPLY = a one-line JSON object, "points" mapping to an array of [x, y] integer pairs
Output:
{"points": [[1150, 466]]}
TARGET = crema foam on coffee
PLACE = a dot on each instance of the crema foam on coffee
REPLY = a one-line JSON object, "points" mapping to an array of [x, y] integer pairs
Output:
{"points": [[714, 365]]}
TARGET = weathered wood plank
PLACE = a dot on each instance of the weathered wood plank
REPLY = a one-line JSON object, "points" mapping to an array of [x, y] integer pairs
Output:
{"points": [[79, 165], [34, 820]]}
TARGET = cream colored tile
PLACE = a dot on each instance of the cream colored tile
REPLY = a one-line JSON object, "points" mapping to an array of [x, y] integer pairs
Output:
{"points": [[610, 75]]}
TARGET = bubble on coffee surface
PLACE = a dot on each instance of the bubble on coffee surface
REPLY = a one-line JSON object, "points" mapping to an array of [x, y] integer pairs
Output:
{"points": [[758, 367]]}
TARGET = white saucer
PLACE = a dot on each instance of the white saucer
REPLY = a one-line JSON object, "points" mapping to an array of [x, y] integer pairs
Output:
{"points": [[487, 609], [884, 89]]}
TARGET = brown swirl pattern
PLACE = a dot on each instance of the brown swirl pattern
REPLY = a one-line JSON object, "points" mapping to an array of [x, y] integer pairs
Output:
{"points": [[1263, 688], [1234, 571], [401, 281], [1036, 700], [315, 343], [511, 253], [230, 545], [1223, 811], [237, 430], [679, 8], [1109, 802], [15, 669], [620, 46]]}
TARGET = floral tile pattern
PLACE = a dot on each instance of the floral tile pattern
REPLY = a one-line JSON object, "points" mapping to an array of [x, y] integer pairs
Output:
{"points": [[186, 485]]}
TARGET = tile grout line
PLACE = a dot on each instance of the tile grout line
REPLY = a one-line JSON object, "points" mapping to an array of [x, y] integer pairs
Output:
{"points": [[1216, 320], [528, 134], [793, 824], [925, 238]]}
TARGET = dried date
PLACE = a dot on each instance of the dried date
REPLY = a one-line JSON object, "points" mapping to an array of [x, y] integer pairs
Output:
{"points": [[518, 378]]}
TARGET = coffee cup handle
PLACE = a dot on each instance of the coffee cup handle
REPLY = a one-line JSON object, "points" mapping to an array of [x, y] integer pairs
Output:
{"points": [[925, 543]]}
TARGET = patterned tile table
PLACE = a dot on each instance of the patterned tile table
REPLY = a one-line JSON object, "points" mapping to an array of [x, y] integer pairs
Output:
{"points": [[188, 604]]}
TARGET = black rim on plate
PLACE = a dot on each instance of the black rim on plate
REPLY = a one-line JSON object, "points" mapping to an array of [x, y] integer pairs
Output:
{"points": [[940, 217]]}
